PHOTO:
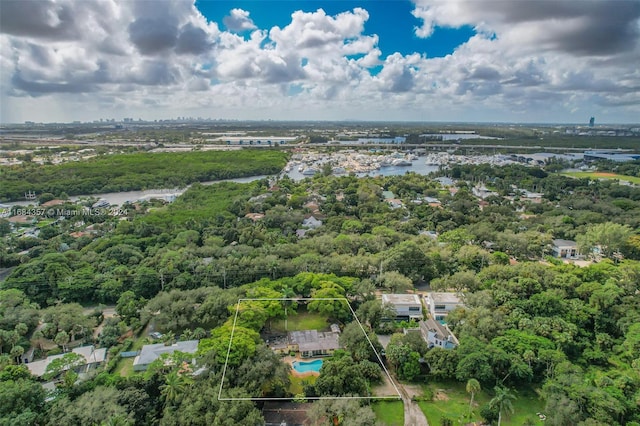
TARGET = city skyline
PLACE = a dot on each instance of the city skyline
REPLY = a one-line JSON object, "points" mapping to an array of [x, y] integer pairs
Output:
{"points": [[421, 60]]}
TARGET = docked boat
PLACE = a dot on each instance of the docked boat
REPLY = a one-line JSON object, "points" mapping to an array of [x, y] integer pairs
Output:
{"points": [[401, 162]]}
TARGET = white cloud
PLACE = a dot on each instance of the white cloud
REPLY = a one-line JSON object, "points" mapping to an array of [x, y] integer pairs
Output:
{"points": [[80, 60], [238, 21]]}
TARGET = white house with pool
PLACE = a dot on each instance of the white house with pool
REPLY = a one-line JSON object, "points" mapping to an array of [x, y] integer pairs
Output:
{"points": [[309, 343]]}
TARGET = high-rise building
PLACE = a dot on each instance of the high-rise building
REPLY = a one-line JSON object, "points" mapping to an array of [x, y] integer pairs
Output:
{"points": [[592, 121]]}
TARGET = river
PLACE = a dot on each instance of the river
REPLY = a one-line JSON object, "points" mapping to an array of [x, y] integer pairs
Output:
{"points": [[119, 198]]}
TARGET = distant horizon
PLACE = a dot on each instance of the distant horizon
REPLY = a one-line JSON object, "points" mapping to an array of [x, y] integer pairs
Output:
{"points": [[346, 121]]}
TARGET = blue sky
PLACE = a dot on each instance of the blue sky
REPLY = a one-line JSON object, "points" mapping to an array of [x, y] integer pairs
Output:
{"points": [[391, 20], [403, 60]]}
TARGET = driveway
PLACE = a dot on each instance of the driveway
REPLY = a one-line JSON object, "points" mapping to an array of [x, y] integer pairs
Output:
{"points": [[107, 312], [413, 415]]}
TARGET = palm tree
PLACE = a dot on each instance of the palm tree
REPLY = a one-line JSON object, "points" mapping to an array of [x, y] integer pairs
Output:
{"points": [[187, 335], [473, 386], [174, 386], [503, 400], [169, 338], [199, 333]]}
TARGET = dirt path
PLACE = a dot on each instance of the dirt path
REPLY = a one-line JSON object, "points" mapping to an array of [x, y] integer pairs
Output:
{"points": [[413, 415], [385, 389], [107, 313]]}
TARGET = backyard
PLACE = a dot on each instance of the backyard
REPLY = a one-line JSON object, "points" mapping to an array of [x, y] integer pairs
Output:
{"points": [[297, 383], [299, 321], [450, 399], [390, 413], [125, 365]]}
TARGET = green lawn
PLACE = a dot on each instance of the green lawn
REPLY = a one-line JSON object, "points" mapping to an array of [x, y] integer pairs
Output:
{"points": [[390, 413], [452, 400], [301, 321], [44, 222], [603, 175], [525, 408], [124, 367], [296, 386]]}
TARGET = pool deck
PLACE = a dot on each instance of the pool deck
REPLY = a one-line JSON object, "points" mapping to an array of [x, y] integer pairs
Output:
{"points": [[291, 359]]}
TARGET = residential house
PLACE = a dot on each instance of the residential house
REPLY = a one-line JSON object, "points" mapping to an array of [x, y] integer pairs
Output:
{"points": [[311, 223], [254, 216], [388, 195], [437, 335], [565, 249], [309, 343], [52, 203], [395, 203], [407, 306], [433, 202], [150, 353], [440, 304], [313, 207], [93, 358], [533, 197], [482, 192], [445, 181], [21, 220], [308, 224]]}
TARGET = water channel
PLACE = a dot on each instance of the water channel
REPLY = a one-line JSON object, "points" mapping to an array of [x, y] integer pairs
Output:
{"points": [[119, 198]]}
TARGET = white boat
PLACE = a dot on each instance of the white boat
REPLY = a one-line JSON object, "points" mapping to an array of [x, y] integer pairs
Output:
{"points": [[101, 203]]}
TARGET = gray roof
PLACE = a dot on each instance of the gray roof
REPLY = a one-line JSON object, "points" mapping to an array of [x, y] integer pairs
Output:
{"points": [[441, 331], [564, 243], [406, 299], [312, 222], [150, 353], [451, 298], [90, 354], [313, 340], [445, 180]]}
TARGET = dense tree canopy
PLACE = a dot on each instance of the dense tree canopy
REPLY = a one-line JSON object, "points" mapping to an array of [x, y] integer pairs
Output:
{"points": [[528, 321]]}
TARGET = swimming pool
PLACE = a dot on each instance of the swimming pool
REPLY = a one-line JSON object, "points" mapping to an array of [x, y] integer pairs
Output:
{"points": [[306, 366]]}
